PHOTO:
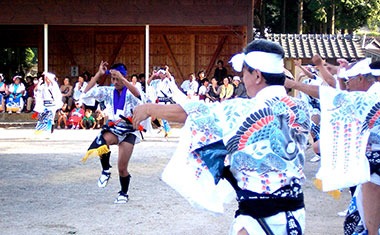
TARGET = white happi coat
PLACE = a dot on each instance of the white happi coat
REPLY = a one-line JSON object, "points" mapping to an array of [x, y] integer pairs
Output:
{"points": [[106, 94], [347, 119], [260, 145]]}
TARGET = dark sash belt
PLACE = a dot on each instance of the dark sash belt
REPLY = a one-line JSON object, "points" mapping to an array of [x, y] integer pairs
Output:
{"points": [[262, 205]]}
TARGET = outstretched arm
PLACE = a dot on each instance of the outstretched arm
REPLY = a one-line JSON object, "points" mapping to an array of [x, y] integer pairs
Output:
{"points": [[304, 70], [169, 112], [311, 90]]}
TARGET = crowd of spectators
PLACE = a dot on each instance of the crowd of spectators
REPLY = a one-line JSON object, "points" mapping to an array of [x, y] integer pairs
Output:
{"points": [[220, 87], [18, 96]]}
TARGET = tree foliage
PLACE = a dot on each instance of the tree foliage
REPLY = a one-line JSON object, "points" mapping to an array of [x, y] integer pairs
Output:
{"points": [[17, 60], [347, 16]]}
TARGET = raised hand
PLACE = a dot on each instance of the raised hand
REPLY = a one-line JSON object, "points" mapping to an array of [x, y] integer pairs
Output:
{"points": [[317, 60], [102, 67]]}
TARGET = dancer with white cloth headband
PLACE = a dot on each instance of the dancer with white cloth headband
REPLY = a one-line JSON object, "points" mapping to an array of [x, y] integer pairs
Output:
{"points": [[255, 145]]}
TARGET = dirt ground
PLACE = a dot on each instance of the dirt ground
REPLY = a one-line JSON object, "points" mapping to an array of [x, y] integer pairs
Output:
{"points": [[45, 189]]}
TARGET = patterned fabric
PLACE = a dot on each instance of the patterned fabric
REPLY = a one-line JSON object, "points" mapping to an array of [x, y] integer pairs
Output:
{"points": [[15, 101], [45, 121], [120, 128], [106, 94], [350, 137], [374, 161], [16, 90], [48, 101], [313, 103], [353, 223], [48, 97], [347, 119], [315, 131], [163, 88], [265, 138], [117, 121]]}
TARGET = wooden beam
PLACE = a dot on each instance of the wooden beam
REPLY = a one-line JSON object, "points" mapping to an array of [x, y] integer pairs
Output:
{"points": [[66, 49], [115, 53], [215, 55], [172, 57], [117, 48]]}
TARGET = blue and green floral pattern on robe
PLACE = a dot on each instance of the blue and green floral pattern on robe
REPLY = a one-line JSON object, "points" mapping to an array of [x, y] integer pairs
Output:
{"points": [[350, 139], [347, 118], [265, 138]]}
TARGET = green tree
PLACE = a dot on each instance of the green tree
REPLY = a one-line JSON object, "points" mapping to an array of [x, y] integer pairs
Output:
{"points": [[354, 14], [28, 59], [316, 16]]}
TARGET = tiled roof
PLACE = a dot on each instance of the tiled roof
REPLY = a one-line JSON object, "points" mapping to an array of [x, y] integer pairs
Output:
{"points": [[328, 46], [371, 43]]}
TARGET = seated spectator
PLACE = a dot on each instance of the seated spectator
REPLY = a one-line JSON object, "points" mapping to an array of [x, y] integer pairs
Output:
{"points": [[3, 93], [226, 90], [135, 81], [28, 83], [88, 121], [30, 101], [185, 85], [213, 93], [79, 87], [193, 87], [203, 89], [16, 90], [67, 93], [239, 88], [76, 115], [190, 86], [62, 117], [100, 118]]}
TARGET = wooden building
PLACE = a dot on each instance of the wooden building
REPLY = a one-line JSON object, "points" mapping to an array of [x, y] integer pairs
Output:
{"points": [[74, 36]]}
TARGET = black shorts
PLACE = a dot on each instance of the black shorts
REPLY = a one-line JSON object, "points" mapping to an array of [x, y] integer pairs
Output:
{"points": [[130, 138]]}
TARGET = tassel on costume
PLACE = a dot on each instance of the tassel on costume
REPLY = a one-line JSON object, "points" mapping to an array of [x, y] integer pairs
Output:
{"points": [[35, 116], [334, 193], [97, 148]]}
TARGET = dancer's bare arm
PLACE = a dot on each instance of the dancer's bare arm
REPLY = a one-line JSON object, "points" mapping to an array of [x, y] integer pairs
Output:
{"points": [[169, 112], [101, 71], [324, 72], [311, 90]]}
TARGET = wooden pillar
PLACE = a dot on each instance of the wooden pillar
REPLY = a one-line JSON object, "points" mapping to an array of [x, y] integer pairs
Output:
{"points": [[192, 55], [250, 13], [46, 54]]}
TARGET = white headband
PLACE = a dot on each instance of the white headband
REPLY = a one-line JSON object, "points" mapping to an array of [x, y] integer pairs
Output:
{"points": [[375, 72], [361, 67], [263, 61]]}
